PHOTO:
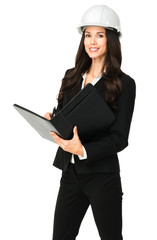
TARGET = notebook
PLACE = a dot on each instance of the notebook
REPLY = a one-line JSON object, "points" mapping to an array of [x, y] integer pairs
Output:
{"points": [[87, 110]]}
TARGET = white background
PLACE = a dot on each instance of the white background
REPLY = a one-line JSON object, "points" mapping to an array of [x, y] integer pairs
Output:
{"points": [[38, 42]]}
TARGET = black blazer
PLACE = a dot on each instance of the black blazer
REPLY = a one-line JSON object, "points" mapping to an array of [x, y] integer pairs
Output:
{"points": [[102, 151]]}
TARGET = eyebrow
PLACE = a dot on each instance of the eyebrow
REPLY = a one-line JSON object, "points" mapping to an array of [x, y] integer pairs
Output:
{"points": [[97, 32]]}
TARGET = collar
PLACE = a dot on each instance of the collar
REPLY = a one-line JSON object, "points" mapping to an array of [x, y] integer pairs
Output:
{"points": [[95, 80]]}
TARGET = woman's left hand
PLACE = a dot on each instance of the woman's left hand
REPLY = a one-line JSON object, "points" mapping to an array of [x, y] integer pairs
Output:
{"points": [[73, 145]]}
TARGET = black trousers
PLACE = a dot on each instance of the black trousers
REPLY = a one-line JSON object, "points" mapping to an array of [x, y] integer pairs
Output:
{"points": [[77, 191]]}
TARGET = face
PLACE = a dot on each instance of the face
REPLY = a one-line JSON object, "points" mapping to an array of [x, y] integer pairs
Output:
{"points": [[95, 42]]}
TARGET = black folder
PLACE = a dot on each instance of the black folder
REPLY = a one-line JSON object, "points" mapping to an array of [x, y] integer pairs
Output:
{"points": [[87, 110]]}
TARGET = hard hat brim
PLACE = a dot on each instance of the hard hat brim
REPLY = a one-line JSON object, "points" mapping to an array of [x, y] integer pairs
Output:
{"points": [[82, 28]]}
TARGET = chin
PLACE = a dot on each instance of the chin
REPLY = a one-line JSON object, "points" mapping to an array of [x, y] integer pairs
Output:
{"points": [[94, 56]]}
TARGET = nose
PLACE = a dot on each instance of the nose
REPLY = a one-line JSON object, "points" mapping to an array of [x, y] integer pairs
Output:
{"points": [[93, 41]]}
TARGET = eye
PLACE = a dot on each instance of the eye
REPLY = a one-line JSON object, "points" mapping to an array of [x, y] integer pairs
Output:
{"points": [[100, 36], [87, 35]]}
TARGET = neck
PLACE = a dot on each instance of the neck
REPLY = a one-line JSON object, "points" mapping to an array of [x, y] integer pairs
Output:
{"points": [[96, 67]]}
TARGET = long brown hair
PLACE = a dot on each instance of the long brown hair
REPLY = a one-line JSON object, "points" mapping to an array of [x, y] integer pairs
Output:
{"points": [[112, 64]]}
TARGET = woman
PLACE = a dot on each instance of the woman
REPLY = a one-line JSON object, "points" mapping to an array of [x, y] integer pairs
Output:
{"points": [[90, 172]]}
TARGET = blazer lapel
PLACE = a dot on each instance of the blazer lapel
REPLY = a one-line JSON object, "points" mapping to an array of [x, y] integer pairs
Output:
{"points": [[100, 87]]}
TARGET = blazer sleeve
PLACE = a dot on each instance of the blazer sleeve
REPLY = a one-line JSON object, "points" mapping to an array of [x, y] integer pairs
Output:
{"points": [[116, 138]]}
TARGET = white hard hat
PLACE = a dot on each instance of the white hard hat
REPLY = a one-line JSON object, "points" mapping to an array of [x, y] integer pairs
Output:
{"points": [[102, 16]]}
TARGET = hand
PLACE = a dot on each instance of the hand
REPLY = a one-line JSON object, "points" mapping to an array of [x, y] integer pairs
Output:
{"points": [[73, 146], [48, 115]]}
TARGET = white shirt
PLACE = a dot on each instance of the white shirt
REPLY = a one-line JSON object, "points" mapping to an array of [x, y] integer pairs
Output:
{"points": [[95, 80]]}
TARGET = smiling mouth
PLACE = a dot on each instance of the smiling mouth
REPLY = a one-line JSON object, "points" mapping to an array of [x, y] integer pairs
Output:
{"points": [[92, 49]]}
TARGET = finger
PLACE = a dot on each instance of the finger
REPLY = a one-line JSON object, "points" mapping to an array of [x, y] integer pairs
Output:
{"points": [[75, 131], [58, 139], [58, 142], [54, 135], [48, 116]]}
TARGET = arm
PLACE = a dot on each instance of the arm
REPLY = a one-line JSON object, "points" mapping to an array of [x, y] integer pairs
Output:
{"points": [[116, 138]]}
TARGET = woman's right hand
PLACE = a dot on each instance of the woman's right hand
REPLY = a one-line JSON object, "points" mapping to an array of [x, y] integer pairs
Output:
{"points": [[48, 115]]}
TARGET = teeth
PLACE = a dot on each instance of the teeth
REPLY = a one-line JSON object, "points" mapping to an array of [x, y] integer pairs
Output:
{"points": [[93, 49]]}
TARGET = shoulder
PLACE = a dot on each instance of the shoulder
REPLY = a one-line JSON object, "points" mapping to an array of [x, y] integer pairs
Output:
{"points": [[127, 81], [128, 86], [69, 71]]}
